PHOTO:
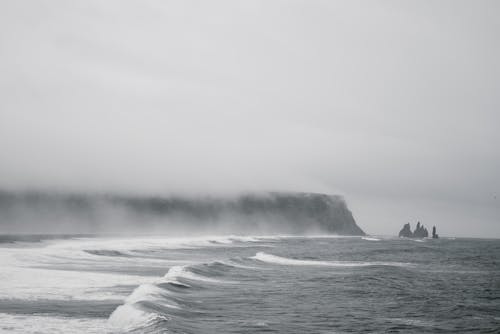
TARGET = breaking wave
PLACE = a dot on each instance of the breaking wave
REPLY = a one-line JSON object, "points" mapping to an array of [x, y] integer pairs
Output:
{"points": [[129, 317], [172, 300], [273, 259], [183, 272], [168, 298]]}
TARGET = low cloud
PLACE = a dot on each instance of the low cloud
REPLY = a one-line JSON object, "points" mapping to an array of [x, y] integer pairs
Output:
{"points": [[392, 104]]}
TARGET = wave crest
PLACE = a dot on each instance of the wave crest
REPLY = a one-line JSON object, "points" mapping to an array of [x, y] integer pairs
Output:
{"points": [[370, 239], [274, 259], [156, 302], [129, 317]]}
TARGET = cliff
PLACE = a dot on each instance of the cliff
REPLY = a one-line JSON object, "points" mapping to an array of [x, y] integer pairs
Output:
{"points": [[294, 213]]}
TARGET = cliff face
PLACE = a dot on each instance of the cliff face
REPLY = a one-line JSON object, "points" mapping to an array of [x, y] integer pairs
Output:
{"points": [[251, 213]]}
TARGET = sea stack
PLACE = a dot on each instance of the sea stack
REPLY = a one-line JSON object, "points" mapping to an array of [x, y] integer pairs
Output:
{"points": [[419, 232], [434, 234], [406, 231]]}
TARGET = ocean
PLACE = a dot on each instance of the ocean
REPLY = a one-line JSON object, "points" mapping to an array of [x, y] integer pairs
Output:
{"points": [[248, 284]]}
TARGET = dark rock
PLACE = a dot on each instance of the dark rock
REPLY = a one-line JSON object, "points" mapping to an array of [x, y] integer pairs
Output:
{"points": [[406, 231], [434, 234], [419, 232]]}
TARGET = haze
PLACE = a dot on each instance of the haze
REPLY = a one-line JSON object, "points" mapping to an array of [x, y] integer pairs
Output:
{"points": [[392, 104]]}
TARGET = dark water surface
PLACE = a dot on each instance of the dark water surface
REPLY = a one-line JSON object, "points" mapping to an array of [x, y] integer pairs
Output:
{"points": [[249, 285]]}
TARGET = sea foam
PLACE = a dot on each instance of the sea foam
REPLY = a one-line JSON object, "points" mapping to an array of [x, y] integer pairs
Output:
{"points": [[129, 317], [133, 315], [269, 258], [177, 272], [370, 239]]}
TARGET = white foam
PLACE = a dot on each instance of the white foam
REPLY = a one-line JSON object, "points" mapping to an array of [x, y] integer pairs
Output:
{"points": [[150, 292], [269, 258], [370, 239], [244, 238], [21, 278], [126, 244], [23, 324], [58, 269], [52, 273], [128, 317], [150, 243], [180, 271]]}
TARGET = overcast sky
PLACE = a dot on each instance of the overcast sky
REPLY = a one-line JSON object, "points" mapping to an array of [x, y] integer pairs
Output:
{"points": [[393, 104]]}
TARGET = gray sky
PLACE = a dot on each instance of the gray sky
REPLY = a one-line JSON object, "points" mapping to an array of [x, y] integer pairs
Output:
{"points": [[394, 104]]}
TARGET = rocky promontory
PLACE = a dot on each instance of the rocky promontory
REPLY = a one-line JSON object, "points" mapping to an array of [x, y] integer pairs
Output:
{"points": [[252, 213]]}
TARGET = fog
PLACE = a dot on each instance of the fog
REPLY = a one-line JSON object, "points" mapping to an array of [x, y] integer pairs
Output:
{"points": [[392, 104], [248, 214]]}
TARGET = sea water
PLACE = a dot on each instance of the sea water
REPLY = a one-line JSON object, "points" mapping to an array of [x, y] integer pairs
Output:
{"points": [[243, 284]]}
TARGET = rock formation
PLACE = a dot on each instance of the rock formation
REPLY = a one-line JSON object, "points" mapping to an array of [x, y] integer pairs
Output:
{"points": [[434, 234], [419, 232], [406, 231]]}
